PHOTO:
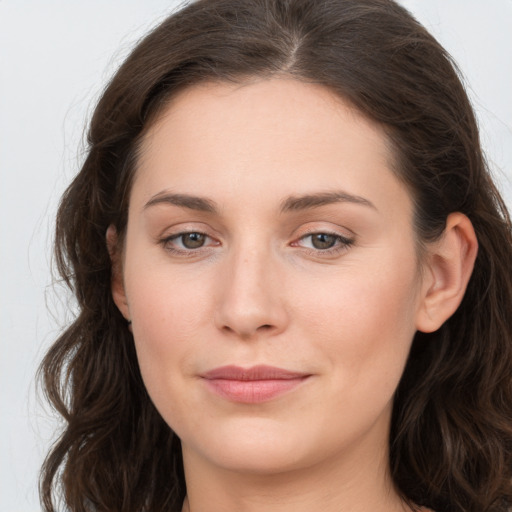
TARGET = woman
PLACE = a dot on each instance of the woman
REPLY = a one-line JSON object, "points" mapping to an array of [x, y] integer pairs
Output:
{"points": [[293, 274]]}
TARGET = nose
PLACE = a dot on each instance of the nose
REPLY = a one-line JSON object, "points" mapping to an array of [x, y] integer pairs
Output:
{"points": [[251, 300]]}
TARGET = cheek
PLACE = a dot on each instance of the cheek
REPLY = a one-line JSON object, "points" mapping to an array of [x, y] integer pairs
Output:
{"points": [[364, 322], [164, 300], [169, 319]]}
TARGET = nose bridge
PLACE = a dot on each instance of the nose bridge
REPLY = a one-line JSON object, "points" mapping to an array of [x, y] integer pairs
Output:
{"points": [[250, 301]]}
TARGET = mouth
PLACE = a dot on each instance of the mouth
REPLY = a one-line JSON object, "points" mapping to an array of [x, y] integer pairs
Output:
{"points": [[252, 385]]}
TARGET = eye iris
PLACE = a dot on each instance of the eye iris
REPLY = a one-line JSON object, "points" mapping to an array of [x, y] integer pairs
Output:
{"points": [[193, 240], [323, 240]]}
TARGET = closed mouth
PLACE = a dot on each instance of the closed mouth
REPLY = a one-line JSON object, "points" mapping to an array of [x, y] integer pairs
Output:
{"points": [[252, 385]]}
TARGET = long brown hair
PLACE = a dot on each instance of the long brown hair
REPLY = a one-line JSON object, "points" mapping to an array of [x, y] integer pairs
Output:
{"points": [[451, 432]]}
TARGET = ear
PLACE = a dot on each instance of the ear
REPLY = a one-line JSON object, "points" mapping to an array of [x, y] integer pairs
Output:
{"points": [[117, 283], [450, 262]]}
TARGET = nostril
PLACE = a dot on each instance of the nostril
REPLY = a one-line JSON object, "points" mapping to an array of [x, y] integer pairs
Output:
{"points": [[261, 328]]}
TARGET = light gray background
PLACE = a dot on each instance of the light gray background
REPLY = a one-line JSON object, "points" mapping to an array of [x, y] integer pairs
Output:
{"points": [[55, 57]]}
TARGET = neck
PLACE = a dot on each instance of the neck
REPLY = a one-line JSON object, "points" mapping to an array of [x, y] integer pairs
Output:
{"points": [[352, 483]]}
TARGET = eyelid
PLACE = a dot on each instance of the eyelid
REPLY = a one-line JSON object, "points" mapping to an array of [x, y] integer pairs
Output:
{"points": [[328, 229], [343, 238], [167, 241], [344, 241], [342, 244]]}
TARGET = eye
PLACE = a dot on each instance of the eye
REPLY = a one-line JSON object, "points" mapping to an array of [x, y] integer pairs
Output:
{"points": [[191, 240], [324, 242], [188, 241]]}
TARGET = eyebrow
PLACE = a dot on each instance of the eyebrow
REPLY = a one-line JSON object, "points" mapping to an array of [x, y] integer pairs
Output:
{"points": [[293, 203], [296, 203], [197, 203]]}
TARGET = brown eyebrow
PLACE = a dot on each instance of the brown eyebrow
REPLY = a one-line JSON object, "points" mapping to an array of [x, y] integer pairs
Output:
{"points": [[184, 201], [321, 199], [294, 203]]}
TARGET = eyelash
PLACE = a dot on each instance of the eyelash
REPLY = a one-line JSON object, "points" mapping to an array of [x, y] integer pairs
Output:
{"points": [[342, 243], [168, 241]]}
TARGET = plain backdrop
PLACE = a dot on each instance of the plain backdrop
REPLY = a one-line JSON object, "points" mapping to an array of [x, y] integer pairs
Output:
{"points": [[55, 57]]}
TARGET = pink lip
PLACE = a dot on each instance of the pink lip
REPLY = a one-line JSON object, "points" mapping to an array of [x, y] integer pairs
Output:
{"points": [[252, 385]]}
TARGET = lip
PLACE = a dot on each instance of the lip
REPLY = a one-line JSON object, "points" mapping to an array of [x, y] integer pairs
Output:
{"points": [[252, 385]]}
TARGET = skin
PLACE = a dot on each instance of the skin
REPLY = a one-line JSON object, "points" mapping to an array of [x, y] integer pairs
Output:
{"points": [[260, 291]]}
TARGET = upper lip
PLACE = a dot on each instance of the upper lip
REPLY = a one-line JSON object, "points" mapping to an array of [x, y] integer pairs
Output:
{"points": [[260, 372]]}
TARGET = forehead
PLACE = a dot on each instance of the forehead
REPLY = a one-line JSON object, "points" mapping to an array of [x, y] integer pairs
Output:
{"points": [[274, 135], [288, 108]]}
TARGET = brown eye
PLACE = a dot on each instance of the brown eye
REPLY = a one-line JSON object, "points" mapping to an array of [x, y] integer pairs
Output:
{"points": [[188, 243], [323, 240], [192, 240], [325, 243]]}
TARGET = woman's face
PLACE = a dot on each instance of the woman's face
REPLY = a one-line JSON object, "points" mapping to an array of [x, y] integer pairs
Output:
{"points": [[271, 274]]}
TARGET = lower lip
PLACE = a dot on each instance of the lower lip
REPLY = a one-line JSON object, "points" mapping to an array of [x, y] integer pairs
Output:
{"points": [[253, 391]]}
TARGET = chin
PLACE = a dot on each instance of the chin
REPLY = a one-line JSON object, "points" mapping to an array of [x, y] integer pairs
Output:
{"points": [[259, 460], [259, 446]]}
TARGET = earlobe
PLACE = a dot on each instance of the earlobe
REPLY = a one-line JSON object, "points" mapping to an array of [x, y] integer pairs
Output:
{"points": [[117, 284], [450, 264]]}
